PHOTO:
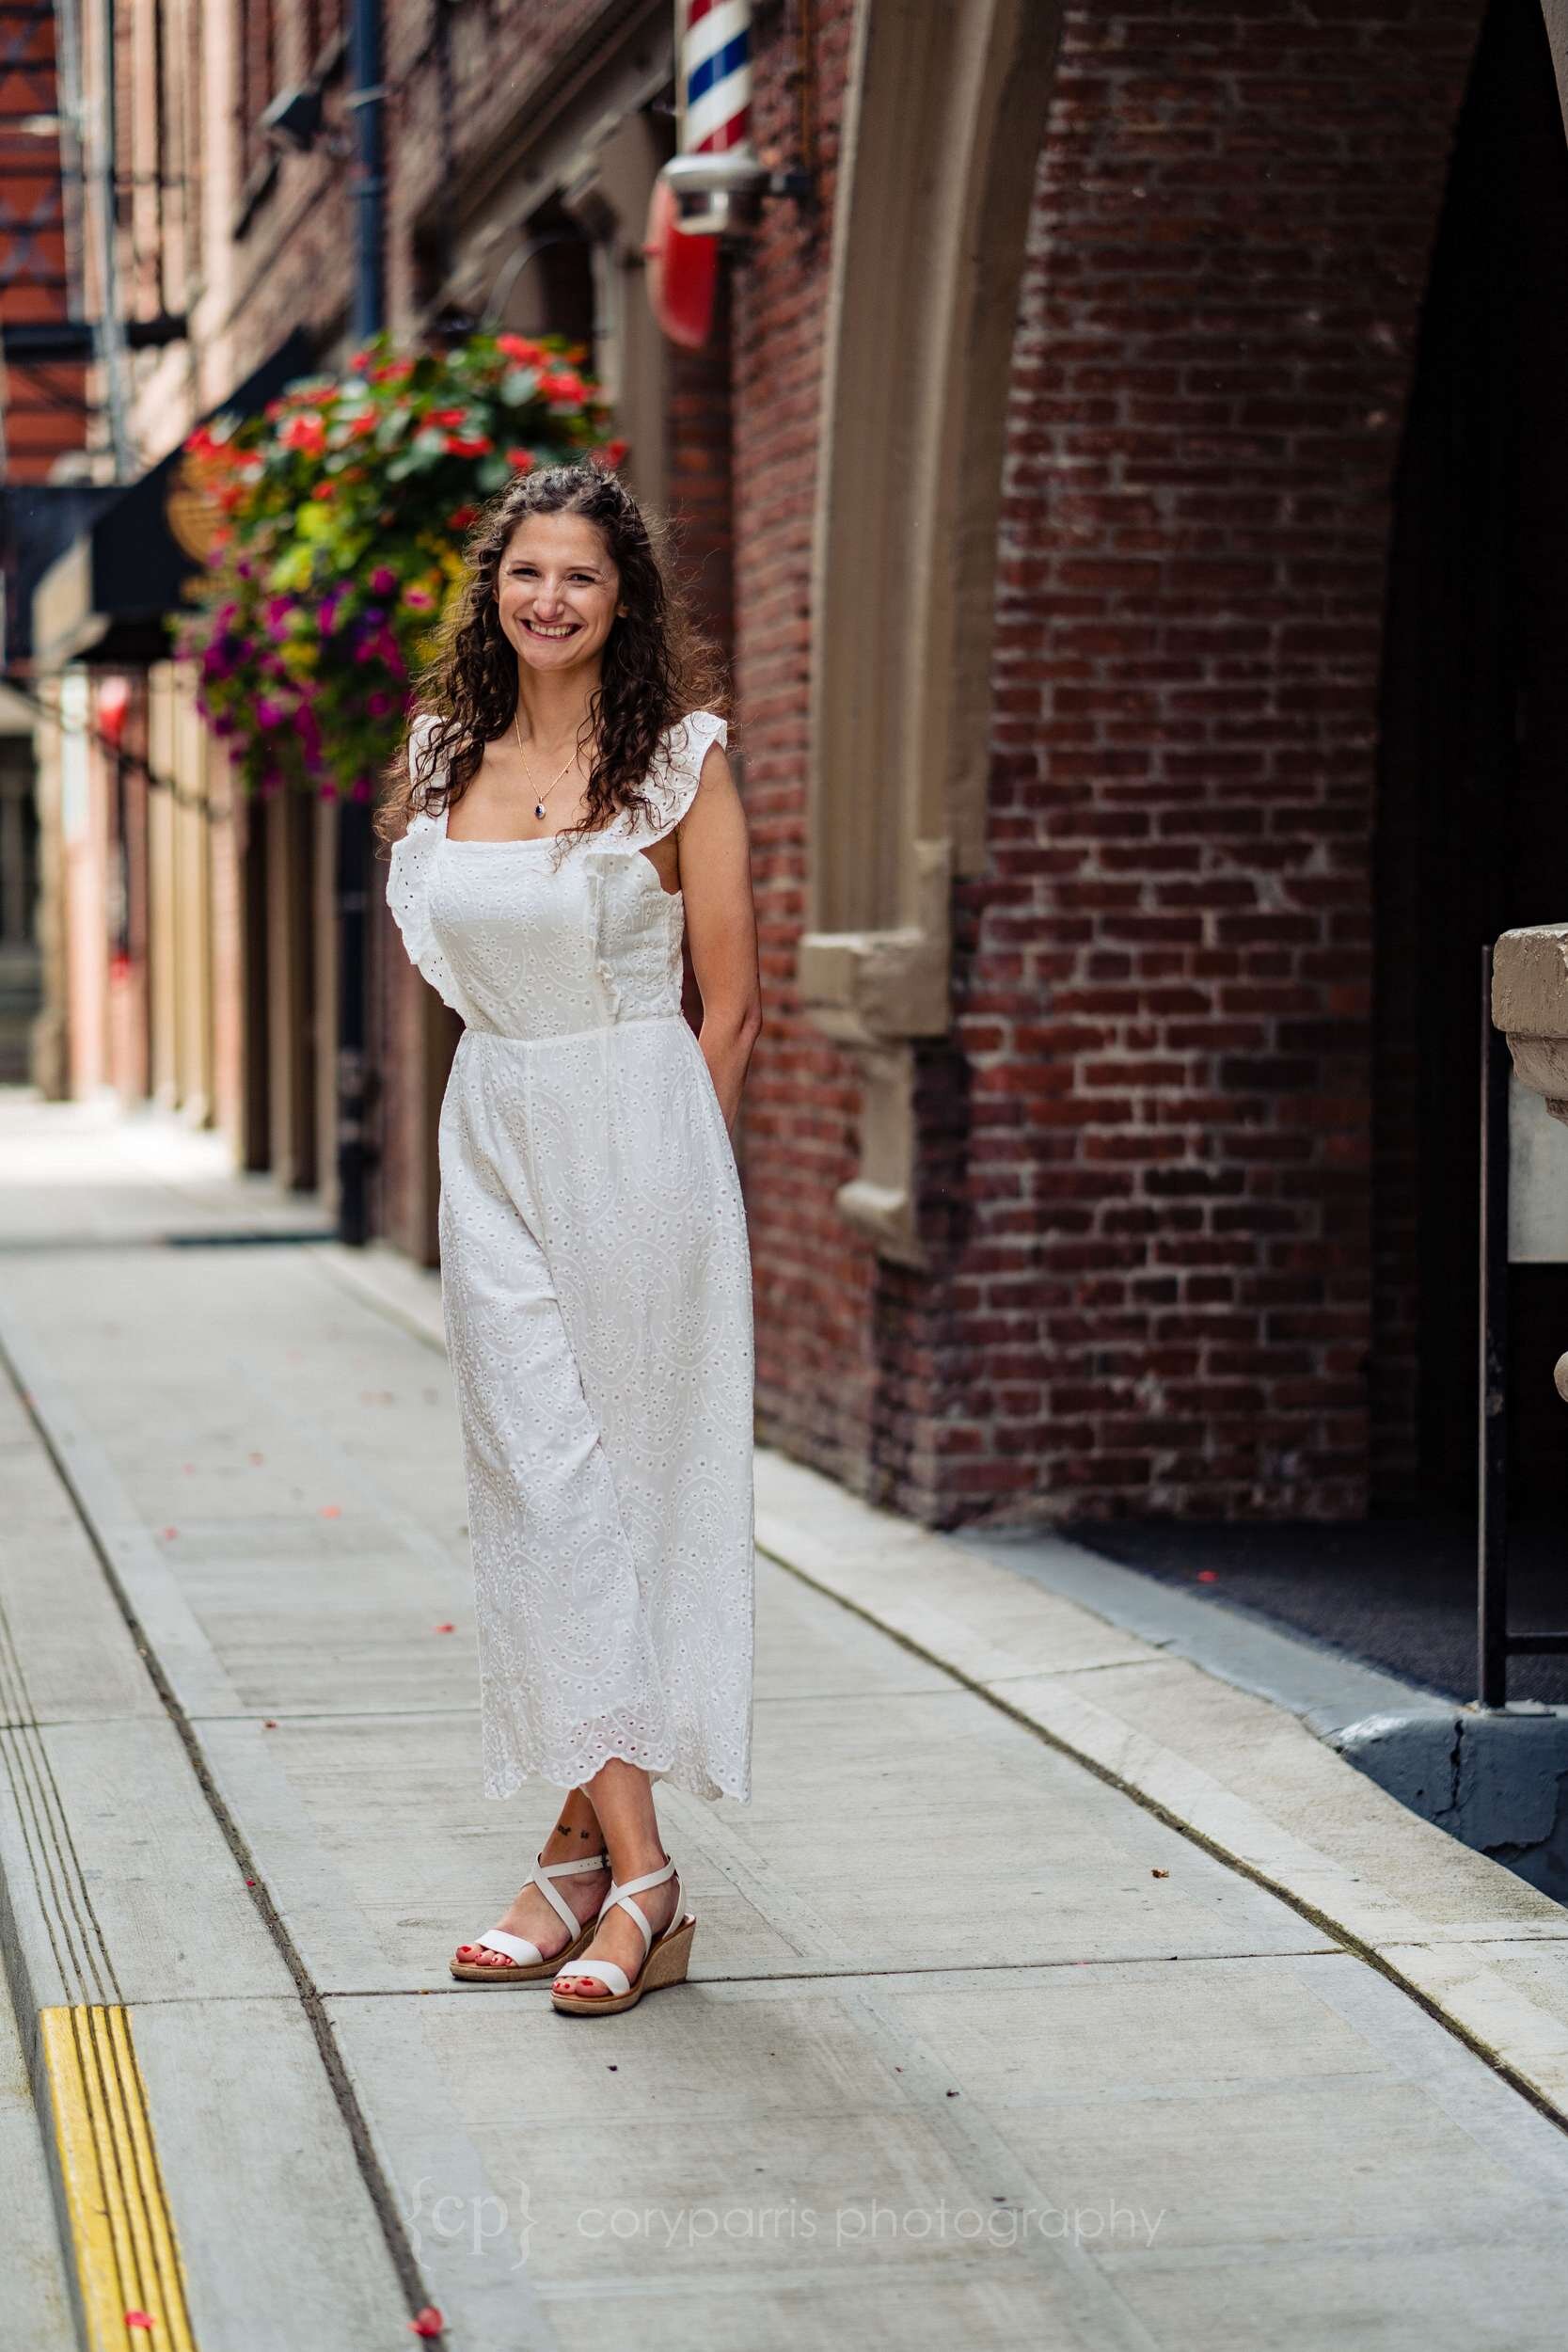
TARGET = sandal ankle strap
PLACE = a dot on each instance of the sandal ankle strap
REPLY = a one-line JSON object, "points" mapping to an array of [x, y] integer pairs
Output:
{"points": [[638, 1887], [621, 1892], [544, 1871]]}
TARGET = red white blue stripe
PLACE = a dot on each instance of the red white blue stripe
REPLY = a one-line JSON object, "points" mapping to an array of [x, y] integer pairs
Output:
{"points": [[715, 76]]}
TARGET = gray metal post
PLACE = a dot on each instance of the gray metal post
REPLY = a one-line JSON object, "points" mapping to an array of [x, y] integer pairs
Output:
{"points": [[1492, 1514]]}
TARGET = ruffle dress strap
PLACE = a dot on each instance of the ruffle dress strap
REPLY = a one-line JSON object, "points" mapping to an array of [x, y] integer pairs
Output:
{"points": [[672, 786], [412, 861]]}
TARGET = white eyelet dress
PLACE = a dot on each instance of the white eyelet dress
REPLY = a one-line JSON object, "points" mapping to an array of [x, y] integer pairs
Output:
{"points": [[596, 1282]]}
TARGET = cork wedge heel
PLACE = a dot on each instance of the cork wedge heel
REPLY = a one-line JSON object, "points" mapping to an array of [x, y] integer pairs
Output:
{"points": [[664, 1957]]}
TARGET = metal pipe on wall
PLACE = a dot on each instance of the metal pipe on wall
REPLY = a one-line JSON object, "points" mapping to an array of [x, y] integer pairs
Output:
{"points": [[366, 98], [108, 331]]}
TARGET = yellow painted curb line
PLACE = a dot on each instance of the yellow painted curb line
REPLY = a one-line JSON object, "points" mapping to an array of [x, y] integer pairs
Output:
{"points": [[122, 2234]]}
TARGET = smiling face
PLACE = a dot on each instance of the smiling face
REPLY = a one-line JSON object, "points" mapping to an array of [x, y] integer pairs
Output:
{"points": [[556, 592]]}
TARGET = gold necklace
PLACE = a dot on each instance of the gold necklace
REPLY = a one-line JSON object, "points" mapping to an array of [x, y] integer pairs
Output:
{"points": [[571, 762]]}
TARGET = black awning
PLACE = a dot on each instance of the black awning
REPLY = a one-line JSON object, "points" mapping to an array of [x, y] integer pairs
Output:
{"points": [[39, 520], [128, 571]]}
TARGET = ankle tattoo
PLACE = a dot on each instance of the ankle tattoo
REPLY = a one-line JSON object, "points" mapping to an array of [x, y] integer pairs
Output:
{"points": [[566, 1829]]}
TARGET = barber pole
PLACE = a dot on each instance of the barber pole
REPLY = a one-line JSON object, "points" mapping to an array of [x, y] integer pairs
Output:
{"points": [[714, 110], [715, 181]]}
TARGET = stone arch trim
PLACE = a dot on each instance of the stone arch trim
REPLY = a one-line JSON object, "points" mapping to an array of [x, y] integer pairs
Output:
{"points": [[944, 118], [1555, 16]]}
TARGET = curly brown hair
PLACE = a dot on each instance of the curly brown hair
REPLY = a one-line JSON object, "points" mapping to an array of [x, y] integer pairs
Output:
{"points": [[655, 666]]}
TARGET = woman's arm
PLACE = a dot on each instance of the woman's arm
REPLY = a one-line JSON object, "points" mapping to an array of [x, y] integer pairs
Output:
{"points": [[721, 927]]}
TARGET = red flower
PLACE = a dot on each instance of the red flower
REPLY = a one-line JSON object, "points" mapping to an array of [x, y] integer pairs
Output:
{"points": [[446, 415], [305, 432], [562, 383], [324, 490], [468, 444], [518, 347], [461, 516], [521, 460]]}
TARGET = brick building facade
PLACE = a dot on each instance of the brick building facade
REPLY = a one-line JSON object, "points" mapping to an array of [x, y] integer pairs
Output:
{"points": [[1054, 477]]}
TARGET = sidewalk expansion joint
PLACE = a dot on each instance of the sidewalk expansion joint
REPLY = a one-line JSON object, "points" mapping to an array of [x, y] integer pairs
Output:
{"points": [[831, 1972], [1344, 1938], [419, 1320], [378, 2187]]}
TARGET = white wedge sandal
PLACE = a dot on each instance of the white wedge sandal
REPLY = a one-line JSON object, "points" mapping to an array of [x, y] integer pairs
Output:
{"points": [[664, 1957], [529, 1961]]}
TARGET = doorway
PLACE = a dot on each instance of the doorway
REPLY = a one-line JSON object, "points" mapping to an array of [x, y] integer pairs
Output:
{"points": [[1472, 834]]}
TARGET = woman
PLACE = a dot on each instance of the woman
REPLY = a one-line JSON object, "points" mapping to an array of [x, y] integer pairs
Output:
{"points": [[569, 814]]}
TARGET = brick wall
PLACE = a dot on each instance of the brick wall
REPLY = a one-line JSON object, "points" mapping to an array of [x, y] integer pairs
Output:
{"points": [[447, 104], [1162, 1302], [699, 430], [1146, 1148], [815, 1281], [43, 417]]}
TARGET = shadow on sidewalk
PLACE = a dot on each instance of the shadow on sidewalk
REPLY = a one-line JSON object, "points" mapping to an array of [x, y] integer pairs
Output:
{"points": [[1397, 1594]]}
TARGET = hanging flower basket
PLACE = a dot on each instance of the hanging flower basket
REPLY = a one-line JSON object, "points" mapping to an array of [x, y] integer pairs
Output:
{"points": [[337, 515]]}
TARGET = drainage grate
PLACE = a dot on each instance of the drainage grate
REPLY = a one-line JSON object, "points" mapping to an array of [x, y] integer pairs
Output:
{"points": [[56, 1245], [245, 1241]]}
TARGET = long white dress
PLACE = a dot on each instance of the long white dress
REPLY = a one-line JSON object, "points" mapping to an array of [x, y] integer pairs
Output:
{"points": [[596, 1277]]}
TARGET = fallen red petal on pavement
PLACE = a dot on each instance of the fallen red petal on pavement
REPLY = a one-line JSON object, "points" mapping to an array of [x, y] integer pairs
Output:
{"points": [[269, 1723], [428, 2322], [331, 1511], [168, 1534], [446, 1628], [140, 2319]]}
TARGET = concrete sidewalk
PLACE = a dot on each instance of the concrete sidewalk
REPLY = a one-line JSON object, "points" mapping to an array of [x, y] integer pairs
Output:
{"points": [[1052, 1992]]}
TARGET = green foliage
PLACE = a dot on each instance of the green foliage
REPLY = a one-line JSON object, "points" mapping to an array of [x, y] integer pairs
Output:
{"points": [[336, 521]]}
